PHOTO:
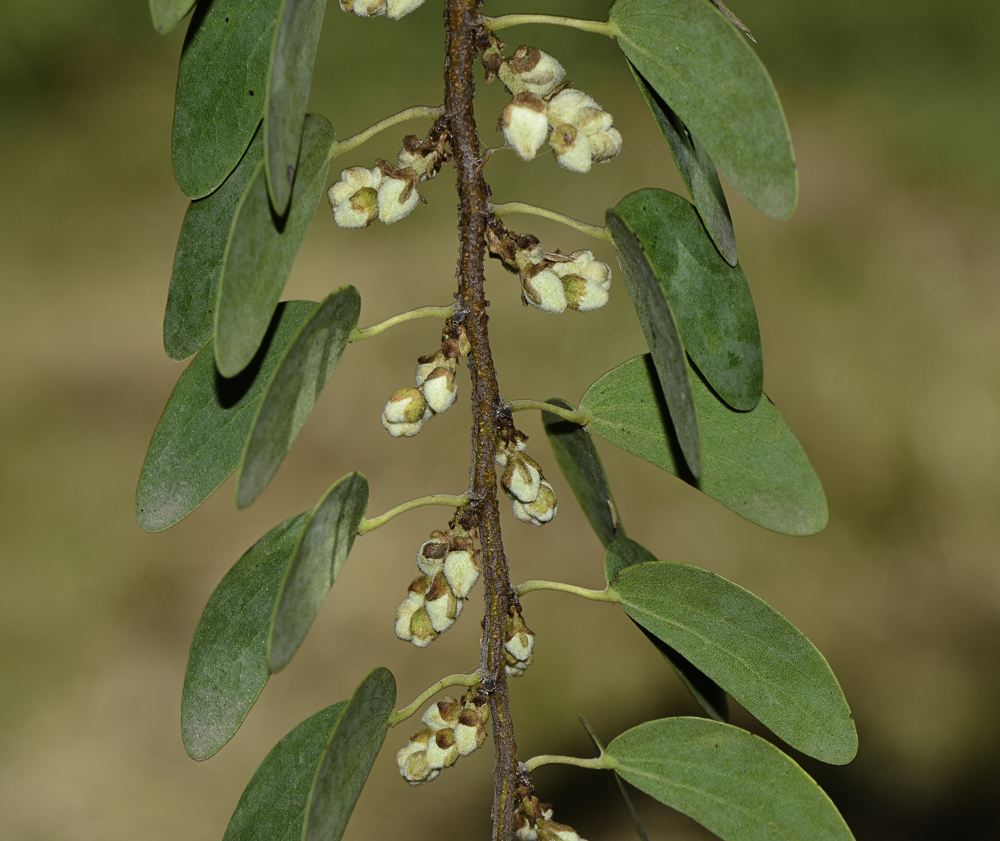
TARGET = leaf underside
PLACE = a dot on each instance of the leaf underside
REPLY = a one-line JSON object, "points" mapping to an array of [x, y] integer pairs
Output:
{"points": [[747, 648], [752, 463]]}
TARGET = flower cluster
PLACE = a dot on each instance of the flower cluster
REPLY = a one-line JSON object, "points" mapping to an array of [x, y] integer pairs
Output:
{"points": [[533, 822], [450, 565], [454, 729], [388, 192], [394, 9], [519, 644], [435, 391], [582, 131], [522, 480]]}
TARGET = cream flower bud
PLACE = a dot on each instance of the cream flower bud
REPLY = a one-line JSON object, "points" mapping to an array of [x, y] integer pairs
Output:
{"points": [[591, 121], [461, 570], [440, 389], [544, 77], [432, 363], [445, 713], [605, 145], [364, 8], [441, 605], [418, 770], [464, 345], [542, 510], [354, 198], [522, 478], [478, 703], [567, 104], [525, 125], [526, 833], [583, 295], [430, 556], [442, 750], [544, 291], [521, 645], [404, 615], [396, 199], [421, 629], [397, 8], [405, 406], [583, 264], [470, 733], [571, 148]]}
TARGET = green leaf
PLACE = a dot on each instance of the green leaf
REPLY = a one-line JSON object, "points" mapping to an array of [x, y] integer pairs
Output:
{"points": [[662, 336], [349, 757], [708, 74], [262, 249], [753, 464], [581, 464], [730, 781], [227, 667], [709, 298], [288, 91], [273, 805], [201, 253], [323, 547], [220, 90], [624, 553], [749, 649], [697, 170], [167, 14], [294, 388], [201, 434]]}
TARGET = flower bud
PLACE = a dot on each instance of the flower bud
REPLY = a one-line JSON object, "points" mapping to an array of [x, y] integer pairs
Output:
{"points": [[592, 120], [397, 8], [464, 345], [542, 510], [404, 615], [544, 291], [514, 667], [417, 769], [442, 750], [441, 605], [571, 148], [521, 645], [470, 733], [440, 389], [396, 199], [426, 365], [364, 8], [445, 713], [583, 295], [354, 198], [583, 264], [421, 630], [525, 125], [605, 145], [461, 570], [522, 478], [430, 556], [531, 70], [405, 406], [566, 105], [549, 830]]}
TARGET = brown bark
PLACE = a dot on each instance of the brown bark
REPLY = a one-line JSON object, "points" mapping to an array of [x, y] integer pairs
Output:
{"points": [[463, 26]]}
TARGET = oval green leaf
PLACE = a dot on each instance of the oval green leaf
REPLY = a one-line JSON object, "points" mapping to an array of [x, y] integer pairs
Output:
{"points": [[294, 389], [697, 170], [752, 463], [227, 667], [261, 251], [709, 298], [580, 463], [200, 255], [664, 341], [288, 84], [167, 14], [273, 805], [323, 547], [730, 781], [202, 431], [747, 648], [710, 697], [348, 758], [220, 90], [708, 74]]}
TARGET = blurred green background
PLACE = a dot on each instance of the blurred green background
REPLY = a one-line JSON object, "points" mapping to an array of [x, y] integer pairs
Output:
{"points": [[879, 303]]}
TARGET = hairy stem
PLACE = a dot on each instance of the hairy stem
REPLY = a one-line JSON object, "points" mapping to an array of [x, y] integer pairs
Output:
{"points": [[600, 27], [579, 417], [512, 207], [459, 501], [608, 594], [359, 334], [600, 763], [424, 697], [338, 147], [463, 24]]}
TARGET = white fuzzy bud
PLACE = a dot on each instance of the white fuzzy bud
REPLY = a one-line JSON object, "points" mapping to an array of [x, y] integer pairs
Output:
{"points": [[605, 145], [544, 77], [468, 738], [440, 389], [522, 478], [397, 8], [461, 570], [544, 291], [421, 630], [354, 198], [405, 405], [584, 295], [430, 556], [525, 125], [445, 713], [542, 510], [442, 750], [571, 148], [364, 8], [396, 199], [526, 833], [520, 645], [583, 264], [591, 121], [566, 105], [438, 360], [443, 609], [404, 615]]}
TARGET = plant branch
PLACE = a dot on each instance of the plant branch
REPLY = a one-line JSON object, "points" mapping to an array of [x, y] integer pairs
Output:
{"points": [[362, 333], [600, 763], [608, 594], [459, 501], [463, 25], [424, 697], [512, 207], [579, 417], [339, 147], [600, 27]]}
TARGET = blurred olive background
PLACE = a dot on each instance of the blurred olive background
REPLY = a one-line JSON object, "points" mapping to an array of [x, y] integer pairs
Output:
{"points": [[878, 302]]}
